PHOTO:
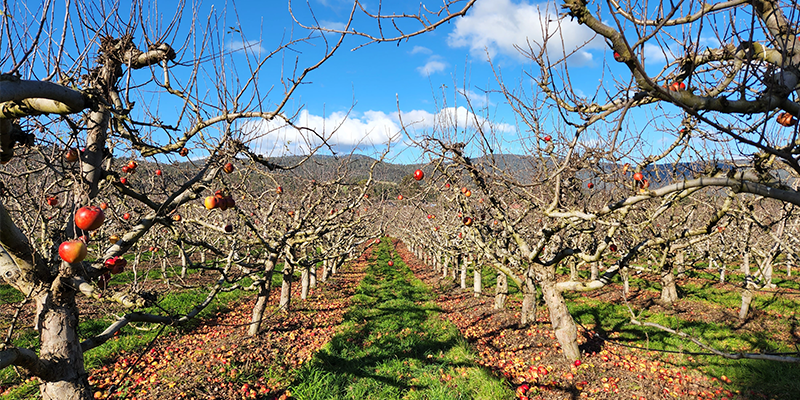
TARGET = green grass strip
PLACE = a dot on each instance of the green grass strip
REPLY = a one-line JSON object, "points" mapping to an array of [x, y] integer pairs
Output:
{"points": [[393, 345]]}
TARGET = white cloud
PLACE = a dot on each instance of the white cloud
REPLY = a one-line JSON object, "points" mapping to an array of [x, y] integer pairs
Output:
{"points": [[338, 130], [477, 99], [420, 50], [431, 67], [251, 46], [451, 118], [344, 133], [500, 25]]}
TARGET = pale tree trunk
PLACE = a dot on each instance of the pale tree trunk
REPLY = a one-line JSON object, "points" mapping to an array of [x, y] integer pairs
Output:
{"points": [[573, 271], [680, 261], [669, 291], [263, 295], [595, 271], [528, 312], [444, 266], [305, 282], [325, 269], [747, 298], [61, 346], [312, 276], [477, 282], [501, 291], [286, 287], [563, 325], [722, 273], [463, 270]]}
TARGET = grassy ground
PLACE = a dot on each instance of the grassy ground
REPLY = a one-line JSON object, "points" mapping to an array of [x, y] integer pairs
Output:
{"points": [[394, 345]]}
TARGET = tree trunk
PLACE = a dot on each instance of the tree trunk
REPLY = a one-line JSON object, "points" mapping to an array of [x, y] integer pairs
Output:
{"points": [[528, 313], [462, 265], [325, 269], [625, 281], [595, 271], [747, 297], [312, 276], [444, 267], [477, 283], [680, 262], [501, 291], [60, 345], [286, 287], [669, 291], [563, 325], [263, 295], [305, 282]]}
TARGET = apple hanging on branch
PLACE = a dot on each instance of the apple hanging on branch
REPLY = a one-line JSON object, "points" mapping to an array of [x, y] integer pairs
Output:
{"points": [[418, 175], [89, 218], [72, 251]]}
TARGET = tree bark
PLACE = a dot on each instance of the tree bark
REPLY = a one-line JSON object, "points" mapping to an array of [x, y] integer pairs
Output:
{"points": [[595, 271], [747, 297], [528, 312], [563, 325], [501, 291], [305, 282], [477, 281], [286, 287], [263, 295], [58, 329], [462, 266], [669, 291]]}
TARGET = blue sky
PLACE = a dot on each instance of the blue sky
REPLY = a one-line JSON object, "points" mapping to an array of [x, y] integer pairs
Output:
{"points": [[421, 74], [354, 97]]}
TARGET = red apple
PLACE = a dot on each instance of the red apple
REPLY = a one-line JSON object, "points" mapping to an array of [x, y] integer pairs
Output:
{"points": [[390, 263], [548, 138], [468, 193], [638, 176], [228, 228], [71, 155], [132, 164], [158, 172], [123, 181], [52, 201], [279, 190], [447, 186], [400, 197], [676, 86], [176, 217], [211, 202], [577, 363], [467, 221], [126, 216], [116, 264], [613, 247], [590, 185], [126, 169], [103, 206], [786, 119], [418, 174], [184, 152], [228, 168], [89, 218], [72, 251]]}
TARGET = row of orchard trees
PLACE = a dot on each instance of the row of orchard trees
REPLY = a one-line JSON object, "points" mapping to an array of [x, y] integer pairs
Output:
{"points": [[721, 187], [82, 124]]}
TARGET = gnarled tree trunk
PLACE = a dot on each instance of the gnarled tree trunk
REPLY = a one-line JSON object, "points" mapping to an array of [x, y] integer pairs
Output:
{"points": [[501, 291], [669, 290], [61, 348], [263, 295], [528, 312], [563, 325], [286, 286]]}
